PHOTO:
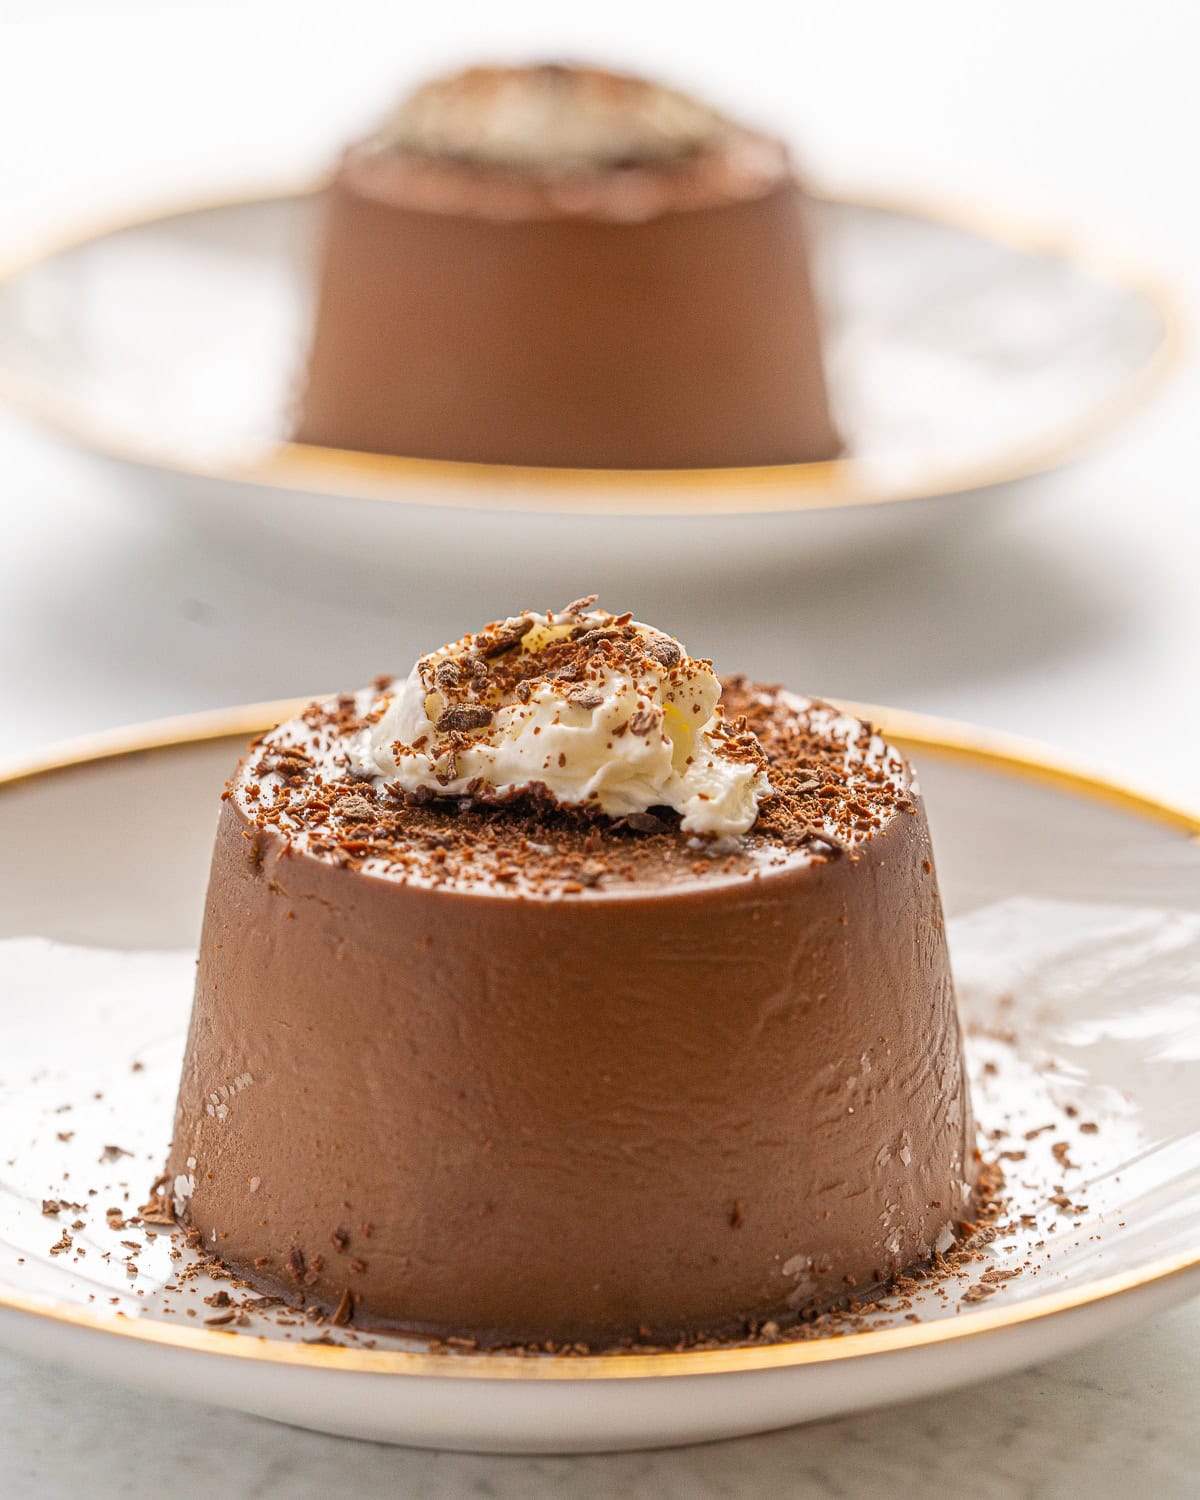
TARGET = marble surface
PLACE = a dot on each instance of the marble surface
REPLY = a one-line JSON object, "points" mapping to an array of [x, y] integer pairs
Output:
{"points": [[1071, 616], [1113, 1421]]}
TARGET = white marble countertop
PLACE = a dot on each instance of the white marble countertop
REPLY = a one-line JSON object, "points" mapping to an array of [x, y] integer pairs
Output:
{"points": [[1072, 617], [1116, 1420]]}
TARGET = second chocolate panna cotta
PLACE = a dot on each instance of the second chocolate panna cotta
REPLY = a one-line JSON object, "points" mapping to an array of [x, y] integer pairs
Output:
{"points": [[566, 266]]}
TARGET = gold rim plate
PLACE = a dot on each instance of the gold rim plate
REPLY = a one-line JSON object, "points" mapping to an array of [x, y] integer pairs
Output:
{"points": [[844, 482], [930, 736]]}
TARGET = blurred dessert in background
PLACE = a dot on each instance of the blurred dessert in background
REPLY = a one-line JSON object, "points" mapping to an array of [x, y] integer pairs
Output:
{"points": [[556, 265]]}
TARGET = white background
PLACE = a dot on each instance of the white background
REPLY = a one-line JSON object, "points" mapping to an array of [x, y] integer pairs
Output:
{"points": [[1073, 617]]}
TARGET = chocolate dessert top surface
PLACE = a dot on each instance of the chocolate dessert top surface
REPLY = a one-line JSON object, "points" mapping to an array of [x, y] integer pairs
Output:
{"points": [[573, 755], [556, 140]]}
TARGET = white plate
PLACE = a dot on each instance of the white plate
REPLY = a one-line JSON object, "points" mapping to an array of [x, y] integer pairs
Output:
{"points": [[960, 357], [1075, 922]]}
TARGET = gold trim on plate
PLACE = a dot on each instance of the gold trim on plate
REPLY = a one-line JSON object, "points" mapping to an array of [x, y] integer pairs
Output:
{"points": [[778, 488], [992, 752]]}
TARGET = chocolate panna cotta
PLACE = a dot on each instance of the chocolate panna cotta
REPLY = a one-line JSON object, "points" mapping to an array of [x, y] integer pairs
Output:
{"points": [[565, 266], [562, 992]]}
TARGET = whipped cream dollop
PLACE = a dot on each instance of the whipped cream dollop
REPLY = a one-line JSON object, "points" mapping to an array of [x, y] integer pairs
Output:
{"points": [[588, 707], [549, 116]]}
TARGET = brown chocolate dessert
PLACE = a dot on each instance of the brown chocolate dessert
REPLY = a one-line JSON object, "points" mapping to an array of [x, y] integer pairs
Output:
{"points": [[564, 266], [541, 997]]}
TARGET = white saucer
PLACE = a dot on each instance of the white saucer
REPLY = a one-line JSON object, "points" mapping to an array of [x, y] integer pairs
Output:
{"points": [[1075, 922], [961, 357]]}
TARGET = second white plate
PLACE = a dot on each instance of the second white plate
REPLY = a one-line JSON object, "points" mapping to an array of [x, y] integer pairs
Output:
{"points": [[961, 356]]}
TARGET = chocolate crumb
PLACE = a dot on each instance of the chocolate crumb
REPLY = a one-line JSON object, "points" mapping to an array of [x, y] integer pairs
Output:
{"points": [[462, 718], [664, 650], [643, 721]]}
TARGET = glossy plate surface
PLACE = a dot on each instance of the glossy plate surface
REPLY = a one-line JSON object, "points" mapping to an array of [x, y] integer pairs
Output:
{"points": [[1075, 925], [961, 356]]}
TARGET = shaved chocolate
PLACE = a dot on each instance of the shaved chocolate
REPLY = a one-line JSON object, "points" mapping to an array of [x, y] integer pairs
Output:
{"points": [[505, 639], [643, 721], [665, 650], [344, 1310], [463, 719], [355, 808]]}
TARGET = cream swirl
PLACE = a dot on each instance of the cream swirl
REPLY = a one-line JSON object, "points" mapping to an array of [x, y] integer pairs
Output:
{"points": [[550, 116], [590, 707]]}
